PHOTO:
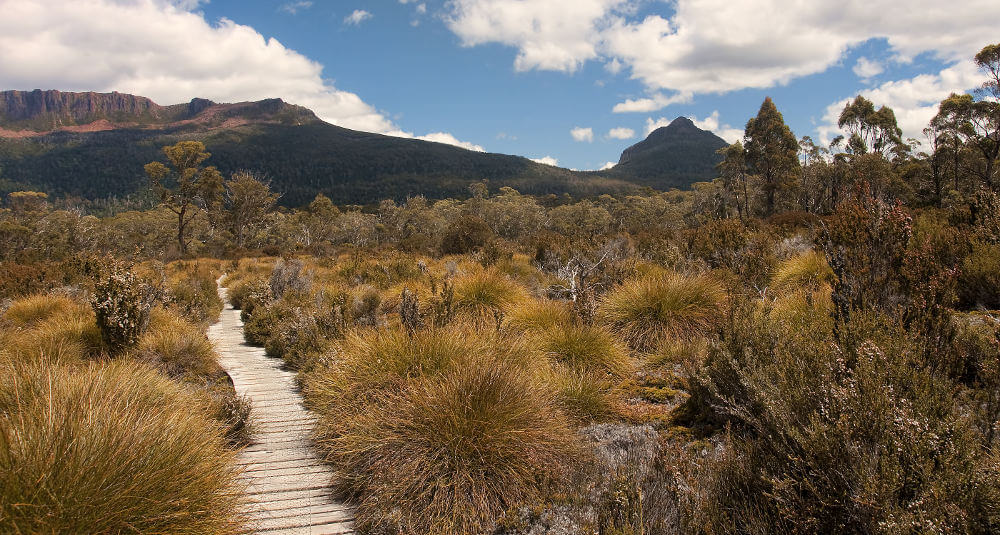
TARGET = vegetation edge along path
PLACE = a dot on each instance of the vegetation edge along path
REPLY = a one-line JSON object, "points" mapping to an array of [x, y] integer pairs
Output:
{"points": [[288, 485]]}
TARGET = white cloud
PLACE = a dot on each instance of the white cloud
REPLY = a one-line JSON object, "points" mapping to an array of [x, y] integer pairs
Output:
{"points": [[421, 9], [914, 100], [547, 160], [711, 123], [621, 133], [549, 34], [582, 134], [656, 102], [716, 46], [614, 66], [162, 50], [608, 165], [866, 68], [294, 7], [444, 137], [357, 17]]}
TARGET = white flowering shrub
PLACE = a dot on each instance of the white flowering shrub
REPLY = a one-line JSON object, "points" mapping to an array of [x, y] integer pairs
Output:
{"points": [[121, 303]]}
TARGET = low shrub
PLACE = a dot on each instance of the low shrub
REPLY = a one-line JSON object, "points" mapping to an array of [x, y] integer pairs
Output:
{"points": [[114, 448], [194, 294], [121, 303], [650, 310], [289, 276], [979, 277]]}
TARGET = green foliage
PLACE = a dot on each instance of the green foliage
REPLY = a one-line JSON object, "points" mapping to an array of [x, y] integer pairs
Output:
{"points": [[772, 153], [465, 235], [110, 449]]}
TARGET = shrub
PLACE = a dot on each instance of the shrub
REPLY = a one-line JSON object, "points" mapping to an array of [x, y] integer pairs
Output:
{"points": [[979, 277], [235, 413], [650, 310], [176, 347], [806, 271], [195, 295], [296, 337], [121, 303], [109, 449], [484, 297], [466, 234], [450, 454], [289, 276]]}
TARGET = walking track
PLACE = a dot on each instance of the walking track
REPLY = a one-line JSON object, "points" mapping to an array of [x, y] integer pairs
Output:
{"points": [[288, 485]]}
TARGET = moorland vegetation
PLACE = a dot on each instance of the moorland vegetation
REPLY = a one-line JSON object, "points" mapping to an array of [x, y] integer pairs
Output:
{"points": [[808, 344]]}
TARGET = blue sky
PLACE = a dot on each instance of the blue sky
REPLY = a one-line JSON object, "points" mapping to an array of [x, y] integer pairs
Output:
{"points": [[511, 76]]}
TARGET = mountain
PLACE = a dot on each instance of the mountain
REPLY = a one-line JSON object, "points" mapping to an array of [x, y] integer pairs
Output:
{"points": [[94, 146], [672, 156]]}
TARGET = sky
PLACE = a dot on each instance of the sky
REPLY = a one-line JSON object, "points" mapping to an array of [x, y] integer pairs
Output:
{"points": [[565, 82]]}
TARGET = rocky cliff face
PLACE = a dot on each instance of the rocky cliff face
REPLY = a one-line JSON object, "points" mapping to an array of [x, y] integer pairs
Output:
{"points": [[53, 108]]}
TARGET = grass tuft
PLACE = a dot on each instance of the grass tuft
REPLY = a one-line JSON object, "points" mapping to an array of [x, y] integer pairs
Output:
{"points": [[807, 271], [648, 311], [483, 298]]}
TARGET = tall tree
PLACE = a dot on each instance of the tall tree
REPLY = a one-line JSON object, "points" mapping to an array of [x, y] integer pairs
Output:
{"points": [[185, 185], [733, 169], [871, 130], [248, 201], [772, 153]]}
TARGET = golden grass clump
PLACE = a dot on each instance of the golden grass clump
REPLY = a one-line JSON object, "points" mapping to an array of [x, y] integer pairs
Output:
{"points": [[29, 311], [807, 271], [647, 311], [450, 454], [176, 347], [586, 349], [483, 298], [109, 448], [539, 315], [64, 339]]}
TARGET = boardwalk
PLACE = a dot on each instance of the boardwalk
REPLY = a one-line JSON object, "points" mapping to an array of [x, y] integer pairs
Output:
{"points": [[289, 487]]}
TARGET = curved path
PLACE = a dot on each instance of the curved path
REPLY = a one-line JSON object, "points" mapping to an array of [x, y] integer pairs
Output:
{"points": [[288, 485]]}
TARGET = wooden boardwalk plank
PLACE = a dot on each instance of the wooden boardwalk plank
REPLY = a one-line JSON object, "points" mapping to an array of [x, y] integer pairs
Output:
{"points": [[288, 485]]}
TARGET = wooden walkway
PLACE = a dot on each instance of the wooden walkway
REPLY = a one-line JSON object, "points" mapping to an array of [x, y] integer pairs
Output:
{"points": [[288, 485]]}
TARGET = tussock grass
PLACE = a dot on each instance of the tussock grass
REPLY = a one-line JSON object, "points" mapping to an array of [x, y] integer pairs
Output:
{"points": [[539, 315], [450, 454], [650, 310], [114, 448], [176, 347], [584, 396], [586, 349], [64, 339], [484, 297], [807, 271], [29, 311]]}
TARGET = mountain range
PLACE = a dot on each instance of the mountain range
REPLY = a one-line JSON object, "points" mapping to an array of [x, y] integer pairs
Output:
{"points": [[94, 145]]}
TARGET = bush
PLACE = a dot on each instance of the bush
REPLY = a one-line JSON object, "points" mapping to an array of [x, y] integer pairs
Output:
{"points": [[451, 453], [979, 277], [289, 276], [121, 303], [484, 297], [246, 294], [465, 235], [648, 311], [194, 294], [111, 448]]}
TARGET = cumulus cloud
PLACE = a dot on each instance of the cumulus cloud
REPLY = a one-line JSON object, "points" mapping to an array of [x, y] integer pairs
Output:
{"points": [[657, 101], [621, 133], [547, 160], [866, 68], [294, 7], [914, 100], [582, 134], [608, 165], [163, 50], [717, 46], [357, 17], [712, 124], [444, 137]]}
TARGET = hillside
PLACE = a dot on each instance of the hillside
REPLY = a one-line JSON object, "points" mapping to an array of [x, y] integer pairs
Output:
{"points": [[93, 145], [672, 156]]}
